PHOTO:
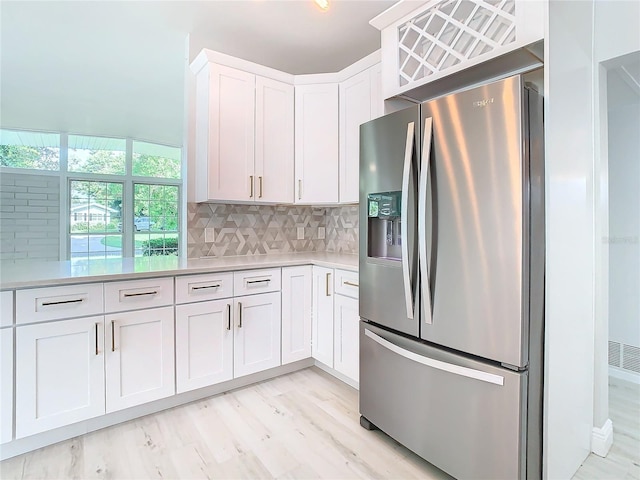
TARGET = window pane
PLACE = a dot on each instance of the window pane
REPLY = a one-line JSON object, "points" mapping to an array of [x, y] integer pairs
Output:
{"points": [[95, 216], [152, 160], [155, 214], [97, 155], [36, 150]]}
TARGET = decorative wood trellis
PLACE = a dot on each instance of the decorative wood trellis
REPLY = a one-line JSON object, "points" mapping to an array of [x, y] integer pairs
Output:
{"points": [[451, 32]]}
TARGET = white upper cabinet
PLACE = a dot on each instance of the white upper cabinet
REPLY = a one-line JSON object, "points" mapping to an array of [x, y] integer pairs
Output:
{"points": [[225, 117], [244, 136], [360, 101], [316, 143], [274, 141]]}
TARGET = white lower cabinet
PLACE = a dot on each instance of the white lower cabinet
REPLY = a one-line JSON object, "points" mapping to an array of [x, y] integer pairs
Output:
{"points": [[140, 357], [204, 344], [59, 374], [346, 336], [322, 315], [296, 313], [256, 344], [6, 385]]}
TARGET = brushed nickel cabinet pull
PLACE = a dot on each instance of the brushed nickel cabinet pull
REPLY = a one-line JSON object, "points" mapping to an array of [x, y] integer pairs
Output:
{"points": [[203, 287], [260, 179], [351, 284], [140, 294], [228, 316], [97, 339], [240, 314], [62, 302], [327, 284], [251, 181], [267, 280], [299, 189], [113, 335]]}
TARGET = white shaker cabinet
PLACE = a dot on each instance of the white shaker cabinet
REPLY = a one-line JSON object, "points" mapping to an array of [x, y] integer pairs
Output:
{"points": [[140, 357], [322, 315], [360, 101], [274, 151], [316, 143], [204, 344], [6, 384], [346, 329], [59, 374], [244, 136], [257, 333], [296, 313]]}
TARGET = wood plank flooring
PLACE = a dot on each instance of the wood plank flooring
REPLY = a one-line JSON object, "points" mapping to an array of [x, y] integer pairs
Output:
{"points": [[300, 425]]}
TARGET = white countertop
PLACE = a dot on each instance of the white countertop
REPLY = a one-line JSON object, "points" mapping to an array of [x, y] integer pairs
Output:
{"points": [[39, 273]]}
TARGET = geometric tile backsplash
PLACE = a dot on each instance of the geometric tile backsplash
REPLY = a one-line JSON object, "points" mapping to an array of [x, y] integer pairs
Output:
{"points": [[262, 229]]}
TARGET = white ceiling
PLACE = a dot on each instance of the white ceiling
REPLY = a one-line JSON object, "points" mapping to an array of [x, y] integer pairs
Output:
{"points": [[117, 67]]}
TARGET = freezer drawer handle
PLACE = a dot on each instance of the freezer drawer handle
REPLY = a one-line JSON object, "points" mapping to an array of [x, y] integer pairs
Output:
{"points": [[437, 364], [422, 219], [404, 220]]}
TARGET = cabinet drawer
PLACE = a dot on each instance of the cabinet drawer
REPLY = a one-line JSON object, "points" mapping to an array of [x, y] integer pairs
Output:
{"points": [[136, 294], [256, 281], [6, 309], [197, 288], [346, 283], [51, 303]]}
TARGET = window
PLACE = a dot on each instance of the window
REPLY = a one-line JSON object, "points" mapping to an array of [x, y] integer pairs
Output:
{"points": [[32, 150], [122, 195]]}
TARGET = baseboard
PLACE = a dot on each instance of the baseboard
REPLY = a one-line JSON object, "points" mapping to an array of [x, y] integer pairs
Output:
{"points": [[338, 375], [602, 439], [624, 375]]}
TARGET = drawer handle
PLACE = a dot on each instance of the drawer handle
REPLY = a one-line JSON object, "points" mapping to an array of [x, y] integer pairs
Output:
{"points": [[264, 280], [203, 287], [140, 294], [228, 316], [351, 284], [240, 315], [62, 302]]}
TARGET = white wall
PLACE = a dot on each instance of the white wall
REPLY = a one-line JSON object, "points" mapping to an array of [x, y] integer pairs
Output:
{"points": [[624, 223], [569, 150]]}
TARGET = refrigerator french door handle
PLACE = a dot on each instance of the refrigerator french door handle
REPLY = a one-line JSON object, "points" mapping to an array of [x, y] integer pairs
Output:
{"points": [[404, 219], [437, 364], [422, 219]]}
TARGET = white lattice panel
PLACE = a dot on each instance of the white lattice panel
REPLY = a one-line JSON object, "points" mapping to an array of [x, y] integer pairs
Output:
{"points": [[452, 32]]}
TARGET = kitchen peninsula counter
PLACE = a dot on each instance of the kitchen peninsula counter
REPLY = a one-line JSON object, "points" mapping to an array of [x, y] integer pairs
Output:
{"points": [[39, 273]]}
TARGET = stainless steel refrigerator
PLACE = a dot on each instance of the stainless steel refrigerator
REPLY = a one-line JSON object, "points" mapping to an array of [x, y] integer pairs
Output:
{"points": [[452, 279]]}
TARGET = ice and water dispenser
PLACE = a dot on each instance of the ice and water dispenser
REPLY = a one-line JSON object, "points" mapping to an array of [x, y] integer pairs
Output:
{"points": [[383, 226]]}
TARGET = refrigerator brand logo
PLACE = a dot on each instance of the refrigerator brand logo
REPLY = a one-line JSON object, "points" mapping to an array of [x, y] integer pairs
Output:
{"points": [[483, 103]]}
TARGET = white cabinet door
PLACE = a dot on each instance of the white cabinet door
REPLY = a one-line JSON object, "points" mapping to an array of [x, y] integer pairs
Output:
{"points": [[377, 99], [139, 361], [322, 315], [59, 374], [316, 143], [256, 344], [225, 115], [355, 109], [347, 352], [204, 344], [6, 385], [296, 313], [274, 141]]}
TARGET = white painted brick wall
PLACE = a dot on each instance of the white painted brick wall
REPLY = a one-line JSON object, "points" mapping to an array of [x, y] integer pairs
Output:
{"points": [[29, 217]]}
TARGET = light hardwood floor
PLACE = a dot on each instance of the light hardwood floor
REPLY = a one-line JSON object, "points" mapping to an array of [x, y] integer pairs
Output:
{"points": [[301, 425]]}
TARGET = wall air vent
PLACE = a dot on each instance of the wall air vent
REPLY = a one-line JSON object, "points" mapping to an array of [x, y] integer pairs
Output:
{"points": [[631, 358], [614, 354]]}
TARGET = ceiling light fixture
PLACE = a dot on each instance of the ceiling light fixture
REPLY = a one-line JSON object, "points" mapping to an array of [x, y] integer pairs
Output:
{"points": [[323, 4]]}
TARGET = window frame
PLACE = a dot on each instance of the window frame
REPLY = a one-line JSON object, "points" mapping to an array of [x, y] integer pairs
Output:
{"points": [[128, 180]]}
